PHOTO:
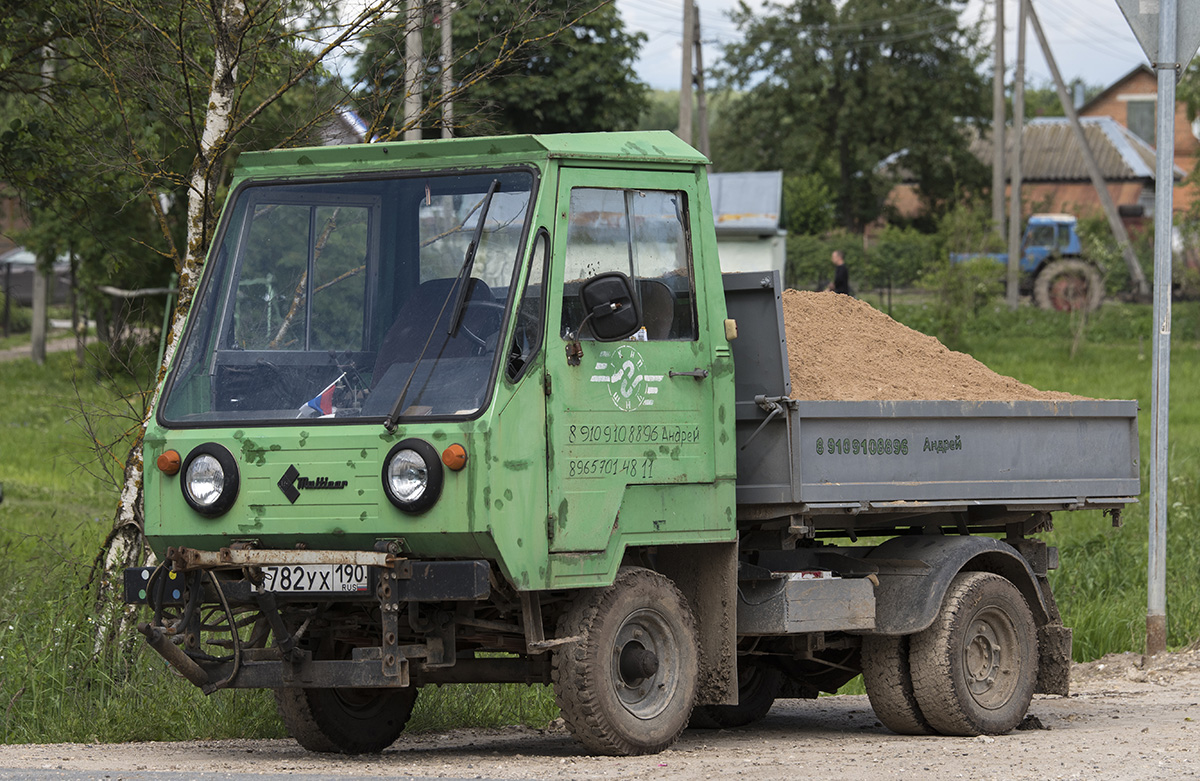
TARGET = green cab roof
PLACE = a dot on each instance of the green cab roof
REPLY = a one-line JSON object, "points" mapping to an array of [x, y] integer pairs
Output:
{"points": [[659, 146]]}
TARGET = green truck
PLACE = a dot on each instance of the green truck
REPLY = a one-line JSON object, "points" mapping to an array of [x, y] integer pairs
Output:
{"points": [[486, 410]]}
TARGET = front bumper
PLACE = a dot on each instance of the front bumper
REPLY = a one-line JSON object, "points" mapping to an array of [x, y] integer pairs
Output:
{"points": [[206, 600]]}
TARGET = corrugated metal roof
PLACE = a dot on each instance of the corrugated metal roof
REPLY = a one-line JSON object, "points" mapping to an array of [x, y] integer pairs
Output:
{"points": [[748, 202], [1050, 152]]}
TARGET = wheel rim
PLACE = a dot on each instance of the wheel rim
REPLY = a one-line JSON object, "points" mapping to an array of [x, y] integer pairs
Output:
{"points": [[990, 659], [644, 678], [1069, 292]]}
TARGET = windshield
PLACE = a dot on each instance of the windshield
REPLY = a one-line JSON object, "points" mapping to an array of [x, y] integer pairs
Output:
{"points": [[335, 300]]}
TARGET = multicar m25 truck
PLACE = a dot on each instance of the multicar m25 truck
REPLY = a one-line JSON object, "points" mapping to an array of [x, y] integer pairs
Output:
{"points": [[485, 410]]}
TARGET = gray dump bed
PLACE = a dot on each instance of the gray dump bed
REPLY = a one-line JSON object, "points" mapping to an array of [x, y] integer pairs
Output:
{"points": [[862, 464]]}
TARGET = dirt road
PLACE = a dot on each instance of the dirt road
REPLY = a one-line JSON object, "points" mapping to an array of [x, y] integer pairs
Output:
{"points": [[1124, 720]]}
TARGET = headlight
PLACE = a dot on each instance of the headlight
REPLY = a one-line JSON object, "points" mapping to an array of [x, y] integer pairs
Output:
{"points": [[210, 479], [412, 475]]}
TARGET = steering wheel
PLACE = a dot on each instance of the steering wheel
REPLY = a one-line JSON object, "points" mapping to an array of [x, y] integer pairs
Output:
{"points": [[484, 343]]}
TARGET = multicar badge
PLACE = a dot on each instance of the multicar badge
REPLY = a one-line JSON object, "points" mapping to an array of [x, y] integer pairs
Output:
{"points": [[291, 482]]}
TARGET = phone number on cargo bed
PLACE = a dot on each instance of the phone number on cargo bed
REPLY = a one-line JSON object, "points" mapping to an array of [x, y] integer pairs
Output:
{"points": [[848, 446]]}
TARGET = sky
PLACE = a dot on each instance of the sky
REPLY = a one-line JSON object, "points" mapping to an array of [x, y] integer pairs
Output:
{"points": [[1090, 39]]}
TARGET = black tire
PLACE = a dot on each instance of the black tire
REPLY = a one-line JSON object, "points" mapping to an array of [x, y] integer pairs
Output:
{"points": [[758, 686], [888, 679], [345, 721], [974, 670], [1068, 285], [627, 685]]}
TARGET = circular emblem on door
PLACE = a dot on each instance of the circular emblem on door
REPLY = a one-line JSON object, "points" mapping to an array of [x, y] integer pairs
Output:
{"points": [[627, 383]]}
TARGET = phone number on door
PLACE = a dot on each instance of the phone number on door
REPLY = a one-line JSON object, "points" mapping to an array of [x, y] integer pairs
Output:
{"points": [[636, 468]]}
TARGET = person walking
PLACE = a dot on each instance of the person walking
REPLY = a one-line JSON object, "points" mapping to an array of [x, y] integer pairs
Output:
{"points": [[841, 274]]}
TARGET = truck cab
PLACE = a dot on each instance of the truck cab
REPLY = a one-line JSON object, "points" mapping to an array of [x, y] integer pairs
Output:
{"points": [[1048, 236], [387, 386]]}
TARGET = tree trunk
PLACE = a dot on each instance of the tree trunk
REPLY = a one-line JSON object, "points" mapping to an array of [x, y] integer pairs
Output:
{"points": [[126, 546]]}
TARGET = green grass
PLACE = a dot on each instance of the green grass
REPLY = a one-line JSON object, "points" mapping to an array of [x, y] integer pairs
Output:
{"points": [[56, 512]]}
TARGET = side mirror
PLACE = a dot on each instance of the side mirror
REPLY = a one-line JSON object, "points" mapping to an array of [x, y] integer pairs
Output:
{"points": [[610, 306]]}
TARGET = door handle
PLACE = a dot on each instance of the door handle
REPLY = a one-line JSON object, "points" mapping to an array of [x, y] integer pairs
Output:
{"points": [[698, 374]]}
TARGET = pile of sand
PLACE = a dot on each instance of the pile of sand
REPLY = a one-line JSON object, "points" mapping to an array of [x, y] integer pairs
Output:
{"points": [[842, 349]]}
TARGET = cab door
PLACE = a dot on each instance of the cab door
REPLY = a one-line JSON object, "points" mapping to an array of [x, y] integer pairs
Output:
{"points": [[630, 424]]}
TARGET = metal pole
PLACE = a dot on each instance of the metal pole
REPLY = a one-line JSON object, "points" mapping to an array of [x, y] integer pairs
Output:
{"points": [[998, 124], [412, 71], [701, 98], [168, 310], [447, 72], [1014, 198], [1164, 191], [685, 79]]}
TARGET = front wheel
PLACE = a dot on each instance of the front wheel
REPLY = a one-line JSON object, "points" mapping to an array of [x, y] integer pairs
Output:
{"points": [[627, 685], [345, 721], [1069, 285], [974, 670]]}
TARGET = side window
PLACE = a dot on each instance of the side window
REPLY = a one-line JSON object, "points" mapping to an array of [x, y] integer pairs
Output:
{"points": [[641, 233], [527, 333], [1064, 237]]}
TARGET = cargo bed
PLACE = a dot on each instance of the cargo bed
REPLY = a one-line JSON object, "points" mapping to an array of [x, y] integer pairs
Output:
{"points": [[854, 466]]}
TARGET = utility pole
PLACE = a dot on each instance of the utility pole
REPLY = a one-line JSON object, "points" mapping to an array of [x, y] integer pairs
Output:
{"points": [[1013, 292], [701, 100], [447, 72], [412, 71], [685, 82], [998, 124], [1110, 210]]}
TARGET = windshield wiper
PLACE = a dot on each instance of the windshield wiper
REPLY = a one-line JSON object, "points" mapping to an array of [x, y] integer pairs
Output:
{"points": [[464, 274]]}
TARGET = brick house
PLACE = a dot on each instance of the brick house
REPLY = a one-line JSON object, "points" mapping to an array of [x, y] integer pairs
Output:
{"points": [[1131, 100]]}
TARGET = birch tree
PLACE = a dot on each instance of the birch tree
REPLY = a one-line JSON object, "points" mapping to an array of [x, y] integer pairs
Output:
{"points": [[222, 95]]}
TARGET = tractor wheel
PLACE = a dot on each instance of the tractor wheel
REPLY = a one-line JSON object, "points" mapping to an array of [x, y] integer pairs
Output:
{"points": [[627, 685], [345, 721], [758, 686], [1069, 285], [888, 679], [974, 670]]}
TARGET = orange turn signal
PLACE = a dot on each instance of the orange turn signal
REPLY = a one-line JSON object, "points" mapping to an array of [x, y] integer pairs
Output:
{"points": [[169, 463], [454, 457]]}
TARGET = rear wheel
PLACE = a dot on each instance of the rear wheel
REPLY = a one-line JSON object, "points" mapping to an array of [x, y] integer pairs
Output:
{"points": [[627, 685], [1069, 285], [888, 679], [345, 721], [974, 670], [758, 686]]}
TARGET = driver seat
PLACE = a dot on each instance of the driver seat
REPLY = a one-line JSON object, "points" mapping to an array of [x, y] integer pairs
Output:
{"points": [[406, 337]]}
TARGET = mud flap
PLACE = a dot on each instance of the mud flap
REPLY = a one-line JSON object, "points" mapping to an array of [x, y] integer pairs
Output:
{"points": [[1054, 660], [707, 576]]}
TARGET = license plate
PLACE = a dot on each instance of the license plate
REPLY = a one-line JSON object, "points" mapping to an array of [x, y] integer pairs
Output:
{"points": [[314, 578]]}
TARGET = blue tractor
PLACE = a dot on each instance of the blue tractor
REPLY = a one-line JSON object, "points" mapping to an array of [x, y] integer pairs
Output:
{"points": [[1053, 268]]}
